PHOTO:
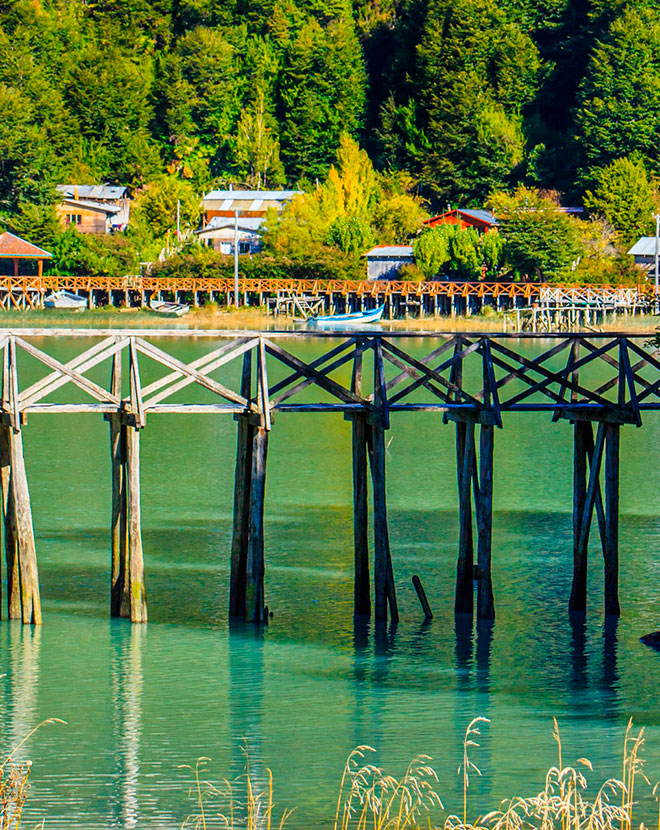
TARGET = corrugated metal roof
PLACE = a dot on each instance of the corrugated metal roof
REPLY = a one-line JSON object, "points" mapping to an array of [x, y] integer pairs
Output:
{"points": [[389, 251], [13, 246], [93, 191], [480, 215], [217, 223], [251, 195], [645, 246], [92, 205]]}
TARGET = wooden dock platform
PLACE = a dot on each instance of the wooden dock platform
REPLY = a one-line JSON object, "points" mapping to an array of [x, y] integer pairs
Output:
{"points": [[401, 299], [474, 381]]}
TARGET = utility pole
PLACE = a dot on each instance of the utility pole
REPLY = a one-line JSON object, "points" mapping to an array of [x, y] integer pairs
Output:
{"points": [[657, 263], [236, 297], [178, 221]]}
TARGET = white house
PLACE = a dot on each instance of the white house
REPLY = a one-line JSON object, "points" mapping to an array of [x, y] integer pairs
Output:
{"points": [[220, 232], [250, 204], [644, 251]]}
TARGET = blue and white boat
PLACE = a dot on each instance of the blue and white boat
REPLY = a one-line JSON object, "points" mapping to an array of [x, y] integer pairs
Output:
{"points": [[65, 299], [357, 318]]}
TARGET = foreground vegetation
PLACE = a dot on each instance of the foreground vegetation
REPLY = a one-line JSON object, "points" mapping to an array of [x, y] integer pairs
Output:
{"points": [[369, 797]]}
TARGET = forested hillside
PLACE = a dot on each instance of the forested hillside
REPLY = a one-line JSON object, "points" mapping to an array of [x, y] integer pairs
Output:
{"points": [[466, 96]]}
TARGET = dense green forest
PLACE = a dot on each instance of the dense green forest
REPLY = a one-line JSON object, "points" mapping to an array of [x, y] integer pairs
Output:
{"points": [[452, 100]]}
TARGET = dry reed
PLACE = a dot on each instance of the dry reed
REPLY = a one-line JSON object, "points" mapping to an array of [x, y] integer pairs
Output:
{"points": [[371, 799]]}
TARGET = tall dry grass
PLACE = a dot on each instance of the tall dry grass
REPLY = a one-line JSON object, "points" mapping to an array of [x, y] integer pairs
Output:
{"points": [[369, 798], [15, 782]]}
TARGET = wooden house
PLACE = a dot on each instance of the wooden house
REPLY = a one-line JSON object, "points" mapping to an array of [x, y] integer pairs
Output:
{"points": [[222, 232], [482, 220], [250, 204], [385, 261], [643, 251], [94, 208]]}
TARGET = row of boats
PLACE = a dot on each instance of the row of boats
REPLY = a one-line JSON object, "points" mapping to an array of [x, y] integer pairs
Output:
{"points": [[72, 302]]}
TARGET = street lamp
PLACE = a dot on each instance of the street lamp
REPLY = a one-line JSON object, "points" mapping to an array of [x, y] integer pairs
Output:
{"points": [[236, 299]]}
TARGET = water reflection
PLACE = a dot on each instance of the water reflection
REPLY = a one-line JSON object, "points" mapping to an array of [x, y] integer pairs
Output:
{"points": [[127, 679], [610, 668], [246, 711], [24, 648], [578, 676]]}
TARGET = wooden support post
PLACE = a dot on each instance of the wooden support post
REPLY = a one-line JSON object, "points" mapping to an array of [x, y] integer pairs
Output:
{"points": [[582, 439], [119, 598], [243, 475], [611, 544], [11, 556], [361, 583], [136, 587], [255, 597], [485, 601], [465, 452]]}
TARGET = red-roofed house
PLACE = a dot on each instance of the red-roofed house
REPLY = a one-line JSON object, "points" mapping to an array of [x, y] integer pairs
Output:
{"points": [[481, 220], [13, 247]]}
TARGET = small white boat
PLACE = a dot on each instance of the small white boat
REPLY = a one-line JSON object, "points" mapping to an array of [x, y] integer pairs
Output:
{"points": [[171, 309], [357, 318], [65, 299]]}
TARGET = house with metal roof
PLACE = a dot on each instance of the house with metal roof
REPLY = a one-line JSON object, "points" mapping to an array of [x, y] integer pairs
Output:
{"points": [[643, 251], [95, 208], [385, 261], [482, 220], [251, 204], [223, 232]]}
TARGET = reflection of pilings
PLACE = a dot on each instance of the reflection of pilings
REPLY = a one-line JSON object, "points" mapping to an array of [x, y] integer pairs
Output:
{"points": [[610, 669], [127, 679], [24, 644], [579, 677], [246, 703]]}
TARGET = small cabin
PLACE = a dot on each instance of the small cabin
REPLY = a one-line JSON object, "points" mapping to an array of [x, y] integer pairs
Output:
{"points": [[98, 208], [481, 220], [221, 233], [385, 261], [250, 204], [643, 251]]}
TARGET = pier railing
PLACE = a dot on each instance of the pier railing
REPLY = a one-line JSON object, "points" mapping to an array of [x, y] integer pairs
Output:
{"points": [[605, 381]]}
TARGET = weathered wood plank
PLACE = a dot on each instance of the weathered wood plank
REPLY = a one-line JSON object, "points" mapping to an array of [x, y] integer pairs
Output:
{"points": [[137, 591], [242, 489], [255, 568], [484, 502]]}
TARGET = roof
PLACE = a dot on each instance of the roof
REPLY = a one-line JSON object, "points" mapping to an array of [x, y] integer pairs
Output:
{"points": [[390, 251], [484, 216], [217, 223], [645, 246], [93, 191], [92, 205], [248, 195], [13, 247]]}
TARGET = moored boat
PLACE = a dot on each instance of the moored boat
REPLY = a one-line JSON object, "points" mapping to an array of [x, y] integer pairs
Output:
{"points": [[357, 318], [65, 299], [170, 309]]}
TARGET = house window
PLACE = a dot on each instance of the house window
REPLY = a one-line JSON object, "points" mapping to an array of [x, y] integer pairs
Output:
{"points": [[73, 218], [243, 247]]}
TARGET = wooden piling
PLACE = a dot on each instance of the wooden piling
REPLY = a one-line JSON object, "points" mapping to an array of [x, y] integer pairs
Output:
{"points": [[255, 567], [361, 583], [11, 556], [611, 546], [582, 432], [242, 477], [384, 590], [465, 566], [119, 599], [485, 600], [137, 593]]}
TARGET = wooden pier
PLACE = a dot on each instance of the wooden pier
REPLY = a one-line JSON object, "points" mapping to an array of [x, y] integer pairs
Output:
{"points": [[291, 297], [472, 381]]}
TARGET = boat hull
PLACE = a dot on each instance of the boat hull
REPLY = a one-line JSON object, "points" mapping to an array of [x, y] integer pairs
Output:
{"points": [[66, 300], [359, 318]]}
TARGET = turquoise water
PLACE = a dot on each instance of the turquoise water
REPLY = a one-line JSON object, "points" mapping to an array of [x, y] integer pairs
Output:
{"points": [[302, 692]]}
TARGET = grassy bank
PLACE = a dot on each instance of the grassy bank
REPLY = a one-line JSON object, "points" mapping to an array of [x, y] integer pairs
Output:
{"points": [[253, 319]]}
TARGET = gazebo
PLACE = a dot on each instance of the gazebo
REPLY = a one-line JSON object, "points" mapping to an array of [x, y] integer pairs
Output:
{"points": [[13, 247]]}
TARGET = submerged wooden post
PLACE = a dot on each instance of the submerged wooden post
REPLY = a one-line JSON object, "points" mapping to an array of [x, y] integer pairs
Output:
{"points": [[465, 458], [485, 600], [611, 541], [255, 566], [361, 584], [582, 437], [119, 599], [135, 554], [242, 479], [384, 589]]}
